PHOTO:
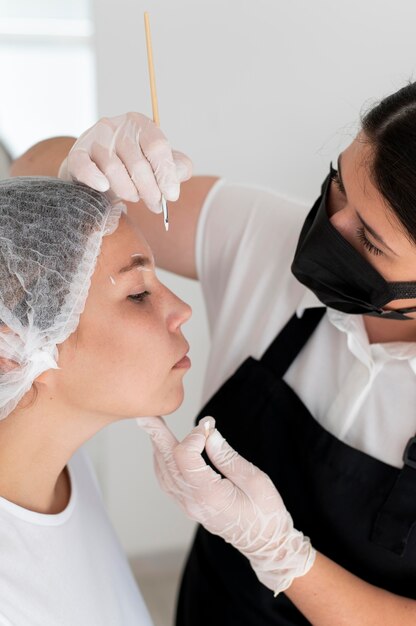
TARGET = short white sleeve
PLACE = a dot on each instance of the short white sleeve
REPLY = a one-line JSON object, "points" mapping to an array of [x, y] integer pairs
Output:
{"points": [[246, 240]]}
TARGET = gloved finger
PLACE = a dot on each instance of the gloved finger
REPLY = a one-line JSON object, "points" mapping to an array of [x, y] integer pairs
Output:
{"points": [[148, 423], [183, 166], [115, 171], [249, 478], [143, 177], [189, 461], [172, 482], [164, 455], [140, 172], [166, 475], [158, 152], [78, 166], [162, 437], [163, 442]]}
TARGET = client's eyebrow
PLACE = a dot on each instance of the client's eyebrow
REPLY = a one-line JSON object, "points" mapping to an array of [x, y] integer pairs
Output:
{"points": [[371, 230], [137, 261]]}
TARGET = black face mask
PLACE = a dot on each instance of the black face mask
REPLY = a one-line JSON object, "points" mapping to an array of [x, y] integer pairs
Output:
{"points": [[338, 274]]}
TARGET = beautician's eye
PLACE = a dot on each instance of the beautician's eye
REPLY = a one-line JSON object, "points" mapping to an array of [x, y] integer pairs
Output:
{"points": [[366, 243], [139, 297], [335, 177]]}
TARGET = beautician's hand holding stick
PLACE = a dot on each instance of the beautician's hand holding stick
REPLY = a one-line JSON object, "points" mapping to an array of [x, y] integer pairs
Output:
{"points": [[129, 155], [244, 508]]}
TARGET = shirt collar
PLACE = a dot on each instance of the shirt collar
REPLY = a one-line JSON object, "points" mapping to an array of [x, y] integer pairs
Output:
{"points": [[308, 301], [353, 327]]}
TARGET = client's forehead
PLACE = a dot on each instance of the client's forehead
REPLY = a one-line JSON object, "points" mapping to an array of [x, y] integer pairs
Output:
{"points": [[125, 246]]}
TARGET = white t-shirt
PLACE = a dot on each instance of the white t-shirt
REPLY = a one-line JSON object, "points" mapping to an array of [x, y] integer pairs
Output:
{"points": [[66, 569], [363, 394]]}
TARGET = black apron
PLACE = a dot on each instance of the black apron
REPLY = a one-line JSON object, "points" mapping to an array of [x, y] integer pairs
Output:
{"points": [[358, 511]]}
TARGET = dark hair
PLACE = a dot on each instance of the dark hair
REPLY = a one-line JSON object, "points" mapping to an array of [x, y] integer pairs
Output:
{"points": [[390, 127]]}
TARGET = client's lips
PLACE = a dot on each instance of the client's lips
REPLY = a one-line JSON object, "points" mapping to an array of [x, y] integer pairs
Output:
{"points": [[184, 362]]}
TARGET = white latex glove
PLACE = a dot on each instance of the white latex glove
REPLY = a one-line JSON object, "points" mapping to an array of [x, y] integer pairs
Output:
{"points": [[244, 508], [130, 156]]}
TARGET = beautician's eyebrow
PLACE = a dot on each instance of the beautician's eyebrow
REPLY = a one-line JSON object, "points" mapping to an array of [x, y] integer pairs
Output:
{"points": [[371, 230], [137, 261]]}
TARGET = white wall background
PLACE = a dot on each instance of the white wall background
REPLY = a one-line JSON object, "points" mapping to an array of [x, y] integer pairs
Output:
{"points": [[47, 61], [266, 91]]}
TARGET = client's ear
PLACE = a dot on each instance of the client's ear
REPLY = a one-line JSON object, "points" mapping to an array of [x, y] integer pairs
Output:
{"points": [[6, 365], [42, 378]]}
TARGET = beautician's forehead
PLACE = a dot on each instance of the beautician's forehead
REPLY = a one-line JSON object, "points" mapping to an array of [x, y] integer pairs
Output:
{"points": [[356, 168], [357, 157]]}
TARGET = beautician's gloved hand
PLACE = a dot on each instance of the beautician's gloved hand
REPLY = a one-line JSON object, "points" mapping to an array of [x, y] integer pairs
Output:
{"points": [[130, 156], [244, 508]]}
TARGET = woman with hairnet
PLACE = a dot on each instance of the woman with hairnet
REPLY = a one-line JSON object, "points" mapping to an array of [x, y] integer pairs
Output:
{"points": [[82, 344], [312, 313]]}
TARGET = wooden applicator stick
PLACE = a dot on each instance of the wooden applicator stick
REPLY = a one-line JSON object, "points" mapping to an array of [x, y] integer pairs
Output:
{"points": [[155, 107]]}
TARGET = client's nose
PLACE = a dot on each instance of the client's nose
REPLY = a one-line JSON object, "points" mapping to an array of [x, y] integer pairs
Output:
{"points": [[180, 312]]}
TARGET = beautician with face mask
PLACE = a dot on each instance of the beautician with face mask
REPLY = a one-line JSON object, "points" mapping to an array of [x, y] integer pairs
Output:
{"points": [[311, 376]]}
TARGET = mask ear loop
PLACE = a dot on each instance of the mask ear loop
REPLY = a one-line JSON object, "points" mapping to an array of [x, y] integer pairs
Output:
{"points": [[411, 309]]}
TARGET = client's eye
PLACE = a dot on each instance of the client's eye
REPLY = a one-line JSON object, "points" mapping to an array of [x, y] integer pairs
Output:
{"points": [[139, 297]]}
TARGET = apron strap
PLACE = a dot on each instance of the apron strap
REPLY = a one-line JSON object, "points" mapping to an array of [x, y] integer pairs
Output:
{"points": [[290, 341], [397, 517]]}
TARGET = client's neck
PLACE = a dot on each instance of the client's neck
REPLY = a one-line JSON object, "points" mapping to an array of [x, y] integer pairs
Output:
{"points": [[36, 443]]}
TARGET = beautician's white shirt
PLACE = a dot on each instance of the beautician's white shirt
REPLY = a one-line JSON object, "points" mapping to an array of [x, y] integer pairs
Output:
{"points": [[363, 394], [66, 569]]}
